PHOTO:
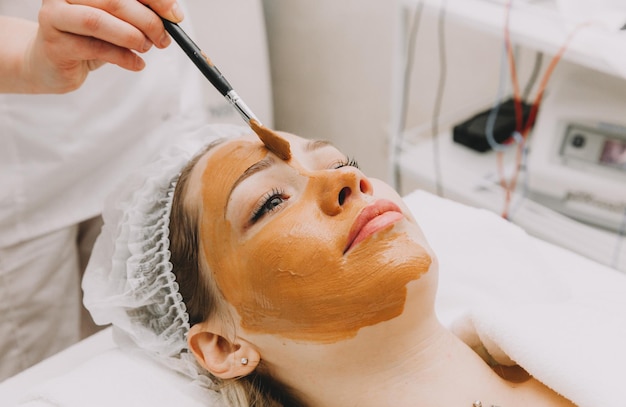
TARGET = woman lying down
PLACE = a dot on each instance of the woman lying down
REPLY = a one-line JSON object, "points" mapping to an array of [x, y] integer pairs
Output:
{"points": [[287, 282]]}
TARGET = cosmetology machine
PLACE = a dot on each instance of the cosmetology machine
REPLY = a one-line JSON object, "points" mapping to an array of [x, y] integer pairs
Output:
{"points": [[577, 159]]}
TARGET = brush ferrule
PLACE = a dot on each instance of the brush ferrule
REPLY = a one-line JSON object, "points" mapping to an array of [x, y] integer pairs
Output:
{"points": [[240, 106]]}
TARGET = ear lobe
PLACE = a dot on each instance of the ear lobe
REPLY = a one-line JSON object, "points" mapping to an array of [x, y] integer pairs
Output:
{"points": [[218, 355]]}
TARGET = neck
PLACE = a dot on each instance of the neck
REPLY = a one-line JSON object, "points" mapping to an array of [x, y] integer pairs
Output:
{"points": [[407, 361], [410, 371], [432, 367]]}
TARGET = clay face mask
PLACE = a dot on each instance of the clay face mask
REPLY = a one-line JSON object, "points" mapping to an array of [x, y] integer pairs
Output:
{"points": [[288, 275]]}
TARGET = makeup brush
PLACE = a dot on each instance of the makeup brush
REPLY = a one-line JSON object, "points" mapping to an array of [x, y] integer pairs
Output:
{"points": [[272, 141]]}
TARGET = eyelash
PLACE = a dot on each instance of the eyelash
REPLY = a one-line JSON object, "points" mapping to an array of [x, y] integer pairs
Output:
{"points": [[263, 208], [347, 162]]}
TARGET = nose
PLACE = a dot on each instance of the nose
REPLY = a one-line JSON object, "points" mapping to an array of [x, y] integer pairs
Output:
{"points": [[339, 187]]}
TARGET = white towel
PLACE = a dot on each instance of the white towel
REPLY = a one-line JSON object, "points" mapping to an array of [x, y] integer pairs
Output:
{"points": [[557, 314]]}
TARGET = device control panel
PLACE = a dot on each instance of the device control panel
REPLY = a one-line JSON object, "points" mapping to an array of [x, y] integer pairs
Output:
{"points": [[594, 145]]}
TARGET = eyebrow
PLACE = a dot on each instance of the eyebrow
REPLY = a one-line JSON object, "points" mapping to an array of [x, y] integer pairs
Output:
{"points": [[250, 171], [317, 144], [267, 162]]}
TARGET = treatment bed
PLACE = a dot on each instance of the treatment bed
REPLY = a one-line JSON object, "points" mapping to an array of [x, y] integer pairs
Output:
{"points": [[507, 294]]}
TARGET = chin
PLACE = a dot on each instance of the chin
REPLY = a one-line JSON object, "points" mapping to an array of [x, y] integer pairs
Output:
{"points": [[412, 231], [399, 247]]}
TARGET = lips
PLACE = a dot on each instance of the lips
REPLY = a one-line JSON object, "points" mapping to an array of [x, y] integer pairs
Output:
{"points": [[372, 219]]}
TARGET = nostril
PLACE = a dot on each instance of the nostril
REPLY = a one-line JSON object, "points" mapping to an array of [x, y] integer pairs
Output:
{"points": [[364, 186], [343, 195]]}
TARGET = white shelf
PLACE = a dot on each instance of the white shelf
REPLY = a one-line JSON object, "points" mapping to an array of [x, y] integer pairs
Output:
{"points": [[471, 178], [540, 26]]}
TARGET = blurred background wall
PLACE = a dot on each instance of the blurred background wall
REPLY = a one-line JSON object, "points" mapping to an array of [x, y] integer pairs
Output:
{"points": [[332, 69]]}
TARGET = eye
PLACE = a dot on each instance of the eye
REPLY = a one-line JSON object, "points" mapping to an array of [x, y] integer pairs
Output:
{"points": [[347, 162], [268, 203]]}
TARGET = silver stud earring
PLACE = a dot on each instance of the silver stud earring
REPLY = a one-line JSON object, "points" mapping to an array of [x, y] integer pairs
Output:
{"points": [[244, 361]]}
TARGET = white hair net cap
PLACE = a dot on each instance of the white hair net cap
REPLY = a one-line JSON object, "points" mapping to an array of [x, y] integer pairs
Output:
{"points": [[129, 281]]}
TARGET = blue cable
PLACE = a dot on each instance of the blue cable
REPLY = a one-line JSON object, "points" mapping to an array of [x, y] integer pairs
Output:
{"points": [[493, 114]]}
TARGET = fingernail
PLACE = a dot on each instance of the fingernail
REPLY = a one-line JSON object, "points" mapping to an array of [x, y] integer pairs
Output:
{"points": [[165, 40], [147, 45], [139, 64], [177, 12]]}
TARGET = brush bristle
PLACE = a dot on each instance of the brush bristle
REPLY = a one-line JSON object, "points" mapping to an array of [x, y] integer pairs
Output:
{"points": [[272, 140]]}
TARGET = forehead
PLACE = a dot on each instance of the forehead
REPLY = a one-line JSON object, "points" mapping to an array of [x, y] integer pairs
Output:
{"points": [[226, 161]]}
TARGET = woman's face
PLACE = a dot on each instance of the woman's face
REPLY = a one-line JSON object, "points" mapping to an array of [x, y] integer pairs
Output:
{"points": [[308, 249]]}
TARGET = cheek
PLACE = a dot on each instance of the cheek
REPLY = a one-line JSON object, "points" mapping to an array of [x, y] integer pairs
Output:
{"points": [[298, 284], [281, 272]]}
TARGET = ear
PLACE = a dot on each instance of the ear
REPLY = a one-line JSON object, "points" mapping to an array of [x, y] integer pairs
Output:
{"points": [[225, 359]]}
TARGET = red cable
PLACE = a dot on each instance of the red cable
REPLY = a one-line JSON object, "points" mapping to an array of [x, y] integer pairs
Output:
{"points": [[524, 128], [547, 75]]}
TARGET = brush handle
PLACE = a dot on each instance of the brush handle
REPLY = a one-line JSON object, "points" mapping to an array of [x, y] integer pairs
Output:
{"points": [[209, 70], [198, 57]]}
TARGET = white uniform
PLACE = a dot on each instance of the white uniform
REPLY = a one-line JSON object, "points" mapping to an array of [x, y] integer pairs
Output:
{"points": [[60, 155]]}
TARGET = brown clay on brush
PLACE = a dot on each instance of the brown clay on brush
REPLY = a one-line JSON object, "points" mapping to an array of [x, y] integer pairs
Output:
{"points": [[272, 140]]}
